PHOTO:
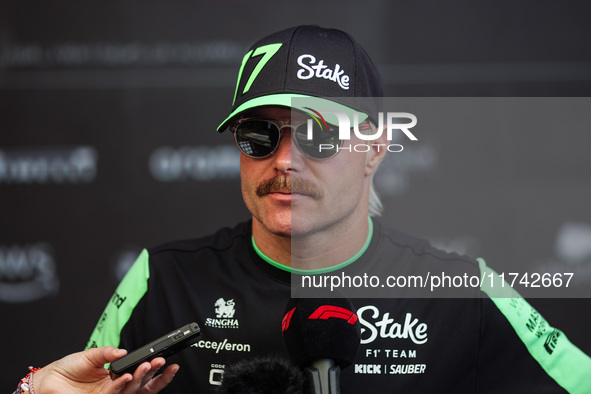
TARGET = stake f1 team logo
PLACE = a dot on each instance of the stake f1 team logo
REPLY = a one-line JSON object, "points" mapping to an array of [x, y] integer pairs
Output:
{"points": [[320, 70], [386, 122]]}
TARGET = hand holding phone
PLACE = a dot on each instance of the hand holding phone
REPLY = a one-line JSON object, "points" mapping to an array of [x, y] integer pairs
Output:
{"points": [[164, 346]]}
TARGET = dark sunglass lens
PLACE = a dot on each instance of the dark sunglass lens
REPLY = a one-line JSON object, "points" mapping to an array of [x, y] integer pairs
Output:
{"points": [[323, 143], [257, 138]]}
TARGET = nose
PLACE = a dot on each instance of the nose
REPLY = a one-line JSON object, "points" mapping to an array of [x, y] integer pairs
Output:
{"points": [[284, 154]]}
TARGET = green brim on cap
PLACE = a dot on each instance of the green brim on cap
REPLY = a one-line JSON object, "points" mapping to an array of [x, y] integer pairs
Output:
{"points": [[295, 101]]}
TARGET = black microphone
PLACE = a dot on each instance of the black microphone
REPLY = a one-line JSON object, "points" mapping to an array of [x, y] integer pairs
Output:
{"points": [[322, 336], [262, 375]]}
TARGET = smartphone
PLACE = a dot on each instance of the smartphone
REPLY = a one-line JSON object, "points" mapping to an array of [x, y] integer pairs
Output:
{"points": [[165, 346]]}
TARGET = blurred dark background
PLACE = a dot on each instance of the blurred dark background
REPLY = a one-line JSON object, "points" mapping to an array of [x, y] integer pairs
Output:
{"points": [[108, 113]]}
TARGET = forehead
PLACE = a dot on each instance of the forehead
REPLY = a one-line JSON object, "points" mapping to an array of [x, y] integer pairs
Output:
{"points": [[276, 113]]}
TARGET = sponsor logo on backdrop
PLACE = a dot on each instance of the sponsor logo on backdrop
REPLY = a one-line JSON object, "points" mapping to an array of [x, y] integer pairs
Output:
{"points": [[462, 244], [394, 175], [573, 243], [572, 252], [122, 261], [224, 314], [199, 163], [27, 272], [117, 54], [48, 165]]}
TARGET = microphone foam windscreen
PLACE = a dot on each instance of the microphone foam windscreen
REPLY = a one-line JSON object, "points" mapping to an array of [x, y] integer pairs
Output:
{"points": [[262, 375], [321, 328]]}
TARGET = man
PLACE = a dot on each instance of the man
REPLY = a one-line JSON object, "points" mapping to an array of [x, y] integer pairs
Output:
{"points": [[310, 203]]}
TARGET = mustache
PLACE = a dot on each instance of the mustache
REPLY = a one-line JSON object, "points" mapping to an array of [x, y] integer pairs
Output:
{"points": [[287, 183]]}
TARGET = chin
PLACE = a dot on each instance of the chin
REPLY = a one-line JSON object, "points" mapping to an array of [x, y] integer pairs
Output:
{"points": [[283, 233], [289, 230], [280, 231], [277, 226]]}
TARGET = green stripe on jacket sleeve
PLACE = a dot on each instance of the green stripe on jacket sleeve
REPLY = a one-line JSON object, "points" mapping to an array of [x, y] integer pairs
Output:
{"points": [[563, 361], [120, 307]]}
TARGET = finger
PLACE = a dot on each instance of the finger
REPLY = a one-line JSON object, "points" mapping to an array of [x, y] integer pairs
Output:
{"points": [[118, 385], [102, 355], [136, 383], [155, 365], [161, 381]]}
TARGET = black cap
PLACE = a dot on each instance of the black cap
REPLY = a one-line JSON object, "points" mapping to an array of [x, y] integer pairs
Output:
{"points": [[306, 61]]}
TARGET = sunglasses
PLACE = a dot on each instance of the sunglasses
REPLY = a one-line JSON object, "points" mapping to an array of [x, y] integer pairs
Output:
{"points": [[260, 138]]}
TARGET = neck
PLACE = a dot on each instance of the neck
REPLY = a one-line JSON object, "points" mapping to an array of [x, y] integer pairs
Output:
{"points": [[315, 250]]}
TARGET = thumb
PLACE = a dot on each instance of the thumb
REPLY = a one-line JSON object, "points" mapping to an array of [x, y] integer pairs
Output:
{"points": [[102, 355]]}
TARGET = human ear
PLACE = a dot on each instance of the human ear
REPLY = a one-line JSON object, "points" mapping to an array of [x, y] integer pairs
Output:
{"points": [[376, 154]]}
